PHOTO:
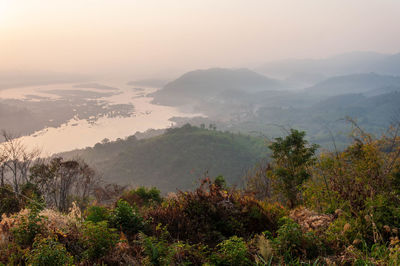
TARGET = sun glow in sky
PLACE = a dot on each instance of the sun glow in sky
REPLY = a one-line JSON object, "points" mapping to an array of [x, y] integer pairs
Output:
{"points": [[4, 10], [169, 36]]}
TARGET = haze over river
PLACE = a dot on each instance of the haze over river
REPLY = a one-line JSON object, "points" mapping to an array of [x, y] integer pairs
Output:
{"points": [[128, 110]]}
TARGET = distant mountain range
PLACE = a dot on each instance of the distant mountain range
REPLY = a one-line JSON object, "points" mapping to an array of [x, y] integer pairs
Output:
{"points": [[245, 101], [355, 83], [343, 64]]}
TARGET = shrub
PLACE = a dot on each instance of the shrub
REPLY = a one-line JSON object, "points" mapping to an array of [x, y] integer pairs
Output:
{"points": [[157, 251], [98, 239], [186, 254], [13, 254], [232, 251], [265, 252], [126, 218], [342, 231], [142, 196], [8, 201], [384, 213], [47, 251], [210, 214], [290, 241], [220, 182], [289, 238], [360, 173], [97, 214], [275, 211], [28, 227], [11, 203]]}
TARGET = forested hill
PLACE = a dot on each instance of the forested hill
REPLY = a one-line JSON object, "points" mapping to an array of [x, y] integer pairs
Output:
{"points": [[177, 159], [200, 85]]}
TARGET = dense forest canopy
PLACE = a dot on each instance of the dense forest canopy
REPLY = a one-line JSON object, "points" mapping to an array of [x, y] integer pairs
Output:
{"points": [[176, 159]]}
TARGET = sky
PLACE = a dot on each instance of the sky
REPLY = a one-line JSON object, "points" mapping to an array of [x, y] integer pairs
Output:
{"points": [[159, 38]]}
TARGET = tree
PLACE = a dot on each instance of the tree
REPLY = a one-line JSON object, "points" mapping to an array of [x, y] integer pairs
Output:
{"points": [[293, 157], [15, 161], [62, 182], [257, 181]]}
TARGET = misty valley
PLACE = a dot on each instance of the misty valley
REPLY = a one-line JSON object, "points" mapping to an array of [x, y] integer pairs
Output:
{"points": [[200, 133], [59, 118]]}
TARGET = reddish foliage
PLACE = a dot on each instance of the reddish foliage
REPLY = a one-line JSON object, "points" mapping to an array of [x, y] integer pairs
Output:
{"points": [[210, 214]]}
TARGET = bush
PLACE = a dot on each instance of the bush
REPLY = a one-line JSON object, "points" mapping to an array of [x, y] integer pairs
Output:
{"points": [[9, 203], [157, 251], [275, 211], [232, 251], [97, 214], [13, 254], [347, 230], [186, 254], [28, 227], [220, 182], [98, 239], [126, 218], [47, 251], [142, 196], [384, 213], [290, 241], [210, 214], [358, 174]]}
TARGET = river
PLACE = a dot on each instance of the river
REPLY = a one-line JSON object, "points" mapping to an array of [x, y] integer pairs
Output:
{"points": [[79, 133]]}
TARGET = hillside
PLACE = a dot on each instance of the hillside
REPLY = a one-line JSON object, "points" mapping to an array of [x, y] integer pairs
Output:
{"points": [[356, 83], [176, 159], [205, 84]]}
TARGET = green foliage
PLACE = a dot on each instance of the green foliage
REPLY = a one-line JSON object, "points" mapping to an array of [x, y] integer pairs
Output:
{"points": [[292, 157], [275, 211], [48, 252], [220, 182], [355, 219], [290, 241], [13, 254], [343, 231], [98, 239], [143, 196], [186, 254], [28, 227], [156, 249], [383, 212], [126, 218], [9, 203], [182, 155], [97, 214], [359, 173], [360, 182], [232, 251]]}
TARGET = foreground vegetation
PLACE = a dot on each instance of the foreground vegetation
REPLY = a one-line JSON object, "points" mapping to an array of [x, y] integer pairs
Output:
{"points": [[335, 208]]}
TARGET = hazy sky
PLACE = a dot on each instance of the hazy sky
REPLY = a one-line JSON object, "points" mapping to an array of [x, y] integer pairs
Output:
{"points": [[148, 37]]}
